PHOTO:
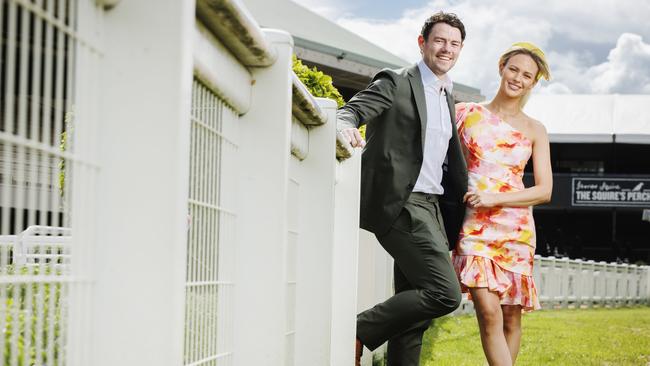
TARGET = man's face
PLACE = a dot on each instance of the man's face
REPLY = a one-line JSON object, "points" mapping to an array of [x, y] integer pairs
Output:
{"points": [[440, 51]]}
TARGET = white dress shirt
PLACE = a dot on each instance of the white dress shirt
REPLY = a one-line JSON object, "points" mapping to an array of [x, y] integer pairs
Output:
{"points": [[438, 133]]}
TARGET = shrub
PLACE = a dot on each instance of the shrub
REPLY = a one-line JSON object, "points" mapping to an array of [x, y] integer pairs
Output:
{"points": [[318, 83]]}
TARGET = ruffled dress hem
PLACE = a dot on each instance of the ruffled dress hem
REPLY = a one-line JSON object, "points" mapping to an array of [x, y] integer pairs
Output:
{"points": [[512, 288]]}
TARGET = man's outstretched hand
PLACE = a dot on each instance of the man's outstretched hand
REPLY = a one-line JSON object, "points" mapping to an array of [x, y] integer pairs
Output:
{"points": [[353, 136]]}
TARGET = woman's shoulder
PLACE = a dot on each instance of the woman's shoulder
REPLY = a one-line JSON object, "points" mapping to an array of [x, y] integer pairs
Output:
{"points": [[536, 128]]}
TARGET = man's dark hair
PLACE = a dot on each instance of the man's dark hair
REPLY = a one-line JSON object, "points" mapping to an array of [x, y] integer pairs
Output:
{"points": [[442, 17]]}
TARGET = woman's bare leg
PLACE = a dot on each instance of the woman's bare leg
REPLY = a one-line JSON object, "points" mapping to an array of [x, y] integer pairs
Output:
{"points": [[512, 328], [490, 321]]}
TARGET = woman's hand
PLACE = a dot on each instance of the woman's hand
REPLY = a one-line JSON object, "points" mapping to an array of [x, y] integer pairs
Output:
{"points": [[480, 199]]}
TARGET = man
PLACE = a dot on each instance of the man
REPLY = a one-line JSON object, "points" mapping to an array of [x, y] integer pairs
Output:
{"points": [[412, 169]]}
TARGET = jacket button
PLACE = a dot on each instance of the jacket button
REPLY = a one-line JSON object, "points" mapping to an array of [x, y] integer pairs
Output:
{"points": [[409, 186]]}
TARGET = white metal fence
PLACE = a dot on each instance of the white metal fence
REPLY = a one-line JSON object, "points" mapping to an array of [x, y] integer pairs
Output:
{"points": [[278, 220], [47, 167], [211, 234]]}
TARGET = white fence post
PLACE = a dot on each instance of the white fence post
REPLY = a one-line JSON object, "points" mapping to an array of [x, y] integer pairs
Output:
{"points": [[260, 295], [572, 281], [312, 192], [645, 290], [624, 284], [599, 283], [539, 276], [588, 283], [610, 283], [142, 193], [345, 260]]}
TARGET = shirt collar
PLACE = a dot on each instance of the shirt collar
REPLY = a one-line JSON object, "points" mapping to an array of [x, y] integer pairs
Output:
{"points": [[429, 78]]}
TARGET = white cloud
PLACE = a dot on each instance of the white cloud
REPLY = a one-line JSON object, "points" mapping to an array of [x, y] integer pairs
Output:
{"points": [[627, 68], [574, 34]]}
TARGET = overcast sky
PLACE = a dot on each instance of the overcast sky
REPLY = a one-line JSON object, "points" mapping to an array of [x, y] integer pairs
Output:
{"points": [[593, 46]]}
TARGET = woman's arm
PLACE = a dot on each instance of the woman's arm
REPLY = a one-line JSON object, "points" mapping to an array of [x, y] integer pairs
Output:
{"points": [[537, 194]]}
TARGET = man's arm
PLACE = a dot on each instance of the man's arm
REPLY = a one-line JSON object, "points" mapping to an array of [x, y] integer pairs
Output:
{"points": [[366, 105]]}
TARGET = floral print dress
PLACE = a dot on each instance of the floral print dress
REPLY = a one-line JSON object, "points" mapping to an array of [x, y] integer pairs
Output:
{"points": [[497, 244]]}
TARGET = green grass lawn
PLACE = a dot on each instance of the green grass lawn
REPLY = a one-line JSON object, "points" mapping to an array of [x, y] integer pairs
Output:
{"points": [[619, 336]]}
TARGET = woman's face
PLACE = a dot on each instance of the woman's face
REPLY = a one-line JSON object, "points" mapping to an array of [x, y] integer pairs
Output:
{"points": [[518, 75]]}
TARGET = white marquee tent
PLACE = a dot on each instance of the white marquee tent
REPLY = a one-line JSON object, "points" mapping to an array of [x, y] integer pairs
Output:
{"points": [[593, 118]]}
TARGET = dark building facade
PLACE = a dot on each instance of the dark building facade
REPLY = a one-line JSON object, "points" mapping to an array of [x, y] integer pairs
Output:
{"points": [[600, 192]]}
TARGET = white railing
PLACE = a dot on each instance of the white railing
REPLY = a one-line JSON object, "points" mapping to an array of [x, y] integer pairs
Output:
{"points": [[564, 282], [37, 245]]}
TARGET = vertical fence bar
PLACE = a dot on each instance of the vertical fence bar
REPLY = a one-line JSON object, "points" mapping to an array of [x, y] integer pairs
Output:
{"points": [[9, 62]]}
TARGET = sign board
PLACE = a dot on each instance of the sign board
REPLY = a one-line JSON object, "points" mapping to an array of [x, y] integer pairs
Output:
{"points": [[611, 192]]}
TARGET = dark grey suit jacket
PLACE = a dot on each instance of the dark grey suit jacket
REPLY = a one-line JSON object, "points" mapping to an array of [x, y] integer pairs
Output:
{"points": [[394, 108]]}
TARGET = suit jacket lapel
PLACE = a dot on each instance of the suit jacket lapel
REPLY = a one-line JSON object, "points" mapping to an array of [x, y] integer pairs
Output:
{"points": [[418, 92], [455, 162], [452, 110], [454, 137]]}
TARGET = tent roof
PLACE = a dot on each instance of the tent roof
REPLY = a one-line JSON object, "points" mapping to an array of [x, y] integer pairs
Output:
{"points": [[592, 118]]}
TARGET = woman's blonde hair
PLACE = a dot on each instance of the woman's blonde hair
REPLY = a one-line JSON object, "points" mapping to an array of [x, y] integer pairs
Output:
{"points": [[526, 48]]}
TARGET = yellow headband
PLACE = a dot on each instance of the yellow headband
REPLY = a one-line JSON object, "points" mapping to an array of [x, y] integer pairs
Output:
{"points": [[545, 73]]}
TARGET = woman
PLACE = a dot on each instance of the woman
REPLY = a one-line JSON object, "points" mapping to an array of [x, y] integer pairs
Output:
{"points": [[494, 256]]}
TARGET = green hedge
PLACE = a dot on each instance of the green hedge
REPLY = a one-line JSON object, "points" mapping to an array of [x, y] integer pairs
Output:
{"points": [[318, 83]]}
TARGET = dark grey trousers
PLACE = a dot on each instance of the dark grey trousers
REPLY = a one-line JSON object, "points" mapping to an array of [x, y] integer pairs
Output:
{"points": [[425, 283]]}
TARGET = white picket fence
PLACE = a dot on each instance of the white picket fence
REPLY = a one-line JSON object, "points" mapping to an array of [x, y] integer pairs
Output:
{"points": [[566, 282]]}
